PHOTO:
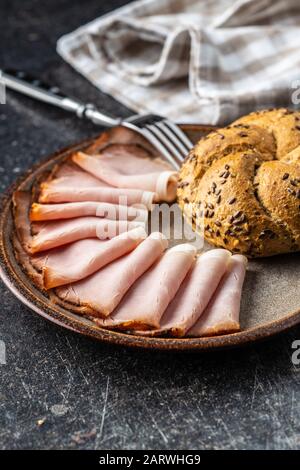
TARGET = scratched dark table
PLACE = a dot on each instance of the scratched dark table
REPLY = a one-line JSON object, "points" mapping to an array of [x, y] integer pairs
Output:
{"points": [[60, 390]]}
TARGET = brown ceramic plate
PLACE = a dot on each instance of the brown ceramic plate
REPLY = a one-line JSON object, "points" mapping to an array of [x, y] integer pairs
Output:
{"points": [[271, 295]]}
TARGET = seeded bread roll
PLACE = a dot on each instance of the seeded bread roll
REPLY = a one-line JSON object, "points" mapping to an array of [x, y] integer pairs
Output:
{"points": [[282, 123], [241, 185]]}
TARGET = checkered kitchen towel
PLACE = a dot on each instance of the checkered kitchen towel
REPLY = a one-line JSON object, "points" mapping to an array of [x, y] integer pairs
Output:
{"points": [[202, 61]]}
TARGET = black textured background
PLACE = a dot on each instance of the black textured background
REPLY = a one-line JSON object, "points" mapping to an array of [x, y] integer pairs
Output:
{"points": [[90, 395]]}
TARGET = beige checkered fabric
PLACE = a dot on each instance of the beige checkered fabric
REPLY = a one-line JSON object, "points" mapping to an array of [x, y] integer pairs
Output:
{"points": [[201, 61]]}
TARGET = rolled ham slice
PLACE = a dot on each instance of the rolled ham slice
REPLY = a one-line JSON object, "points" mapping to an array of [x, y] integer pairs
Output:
{"points": [[195, 292], [132, 172], [221, 316], [50, 193], [80, 259], [41, 212], [53, 234], [103, 291], [144, 304]]}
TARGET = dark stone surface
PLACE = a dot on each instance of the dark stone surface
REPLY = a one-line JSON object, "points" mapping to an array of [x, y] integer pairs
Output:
{"points": [[92, 395]]}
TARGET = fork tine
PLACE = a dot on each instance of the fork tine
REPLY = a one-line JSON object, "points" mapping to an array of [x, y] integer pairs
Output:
{"points": [[166, 142], [180, 134], [165, 135], [159, 146], [173, 138]]}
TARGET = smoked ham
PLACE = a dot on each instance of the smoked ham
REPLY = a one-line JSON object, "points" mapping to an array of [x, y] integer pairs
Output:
{"points": [[103, 291], [194, 293], [80, 259], [28, 262], [53, 234], [82, 237], [131, 172], [42, 212], [221, 316], [69, 175], [50, 193], [69, 183], [144, 304]]}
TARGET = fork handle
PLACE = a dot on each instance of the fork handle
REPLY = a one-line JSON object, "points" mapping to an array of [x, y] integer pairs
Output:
{"points": [[34, 88]]}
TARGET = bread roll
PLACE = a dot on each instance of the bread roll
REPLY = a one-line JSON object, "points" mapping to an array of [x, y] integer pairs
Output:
{"points": [[241, 184]]}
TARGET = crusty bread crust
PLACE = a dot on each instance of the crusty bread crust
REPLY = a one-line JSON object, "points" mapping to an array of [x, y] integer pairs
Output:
{"points": [[241, 184]]}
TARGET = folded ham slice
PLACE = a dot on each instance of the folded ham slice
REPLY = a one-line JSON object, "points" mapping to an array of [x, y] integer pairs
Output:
{"points": [[80, 259], [50, 193], [144, 304], [221, 316], [27, 262], [70, 183], [69, 210], [69, 175], [103, 291], [124, 170], [53, 234], [195, 293]]}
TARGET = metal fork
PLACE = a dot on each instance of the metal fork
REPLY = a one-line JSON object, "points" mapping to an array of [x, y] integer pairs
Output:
{"points": [[166, 136]]}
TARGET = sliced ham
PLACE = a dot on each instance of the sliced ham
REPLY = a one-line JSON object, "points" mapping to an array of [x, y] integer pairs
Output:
{"points": [[50, 193], [195, 292], [70, 183], [103, 291], [71, 176], [125, 170], [53, 234], [27, 262], [144, 304], [221, 316], [80, 259], [41, 212], [70, 169]]}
